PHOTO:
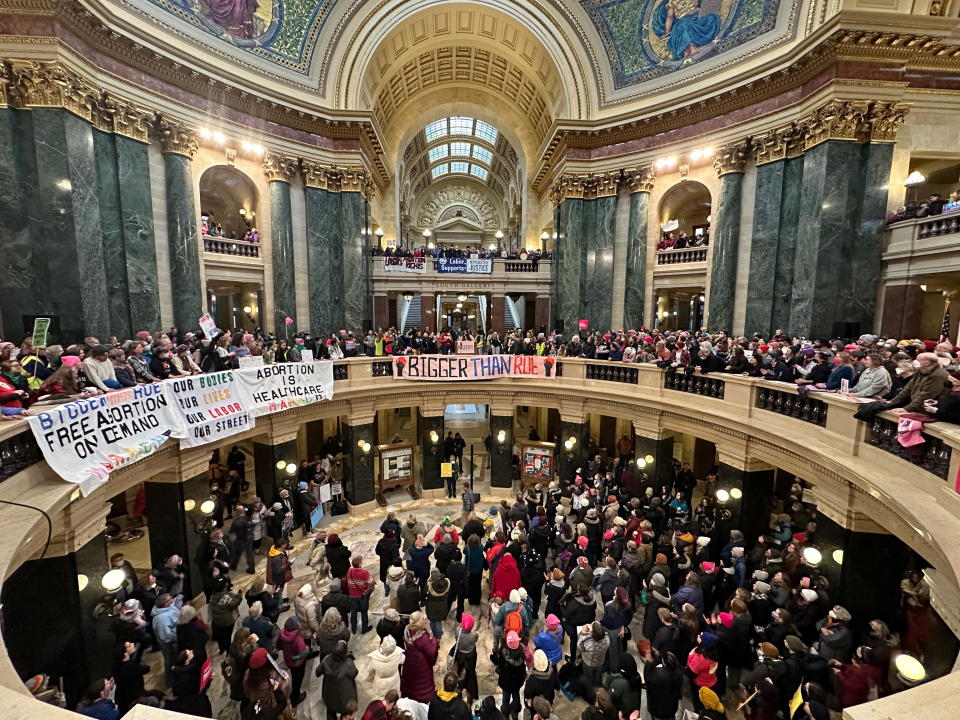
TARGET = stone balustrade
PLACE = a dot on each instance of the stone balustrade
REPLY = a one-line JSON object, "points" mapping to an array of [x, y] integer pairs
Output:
{"points": [[228, 246], [685, 255], [790, 402]]}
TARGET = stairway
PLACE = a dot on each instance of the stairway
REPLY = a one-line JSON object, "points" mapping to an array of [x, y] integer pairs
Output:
{"points": [[516, 312], [408, 313]]}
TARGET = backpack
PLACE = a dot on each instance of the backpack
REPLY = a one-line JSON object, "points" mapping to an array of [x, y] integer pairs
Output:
{"points": [[513, 621]]}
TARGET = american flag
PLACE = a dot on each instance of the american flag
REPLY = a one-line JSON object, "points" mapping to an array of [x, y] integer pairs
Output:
{"points": [[945, 327]]}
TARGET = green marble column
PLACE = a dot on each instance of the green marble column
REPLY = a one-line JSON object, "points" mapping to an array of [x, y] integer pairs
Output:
{"points": [[281, 242], [730, 163], [324, 255], [126, 217], [764, 248], [174, 529], [840, 238], [751, 512], [569, 263], [21, 274], [787, 246], [636, 276], [599, 237], [358, 483], [501, 453], [660, 470], [178, 146], [431, 453], [355, 262], [568, 460]]}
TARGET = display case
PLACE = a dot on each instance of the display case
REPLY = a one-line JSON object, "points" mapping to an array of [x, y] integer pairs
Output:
{"points": [[536, 462], [396, 469]]}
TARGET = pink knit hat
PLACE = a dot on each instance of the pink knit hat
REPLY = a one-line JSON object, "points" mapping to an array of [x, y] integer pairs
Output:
{"points": [[466, 622], [553, 622], [69, 360], [582, 541], [726, 619], [513, 640]]}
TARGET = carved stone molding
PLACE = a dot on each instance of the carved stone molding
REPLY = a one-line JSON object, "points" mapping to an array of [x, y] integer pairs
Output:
{"points": [[319, 176], [280, 168], [639, 180], [732, 158], [884, 119], [587, 186], [837, 120], [47, 84], [353, 179], [175, 138], [779, 144], [115, 115]]}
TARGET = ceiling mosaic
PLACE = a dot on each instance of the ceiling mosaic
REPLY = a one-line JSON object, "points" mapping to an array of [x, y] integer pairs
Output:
{"points": [[280, 31], [646, 39]]}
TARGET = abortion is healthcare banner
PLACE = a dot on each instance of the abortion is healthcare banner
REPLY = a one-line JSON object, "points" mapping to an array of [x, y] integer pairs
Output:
{"points": [[405, 264], [210, 407], [272, 388], [464, 265], [471, 367], [85, 440]]}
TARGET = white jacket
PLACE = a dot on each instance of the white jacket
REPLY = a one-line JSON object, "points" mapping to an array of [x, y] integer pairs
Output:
{"points": [[386, 670]]}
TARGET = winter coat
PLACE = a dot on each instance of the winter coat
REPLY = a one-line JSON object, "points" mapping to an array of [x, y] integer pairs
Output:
{"points": [[551, 643], [592, 652], [836, 645], [688, 594], [386, 671], [421, 654], [409, 534], [339, 558], [293, 647], [453, 708], [542, 684], [339, 600], [663, 690], [445, 554], [437, 604], [578, 612], [408, 599], [626, 694], [339, 682], [223, 608], [278, 567], [307, 609], [326, 641], [512, 670], [506, 577], [419, 562]]}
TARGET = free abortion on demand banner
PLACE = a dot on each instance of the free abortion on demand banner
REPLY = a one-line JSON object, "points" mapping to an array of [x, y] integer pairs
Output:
{"points": [[85, 440], [471, 367]]}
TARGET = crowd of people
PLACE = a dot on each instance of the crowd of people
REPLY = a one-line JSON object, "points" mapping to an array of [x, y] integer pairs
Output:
{"points": [[675, 241], [911, 376], [454, 251], [607, 585]]}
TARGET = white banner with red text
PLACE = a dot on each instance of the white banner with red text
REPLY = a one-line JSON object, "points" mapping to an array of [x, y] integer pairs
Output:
{"points": [[274, 388], [405, 264], [472, 367], [210, 406]]}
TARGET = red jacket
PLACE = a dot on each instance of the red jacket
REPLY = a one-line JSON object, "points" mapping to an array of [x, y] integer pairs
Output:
{"points": [[358, 582], [506, 577]]}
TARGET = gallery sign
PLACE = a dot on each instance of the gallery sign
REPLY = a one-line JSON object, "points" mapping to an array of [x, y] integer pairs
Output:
{"points": [[471, 367], [405, 264], [464, 265]]}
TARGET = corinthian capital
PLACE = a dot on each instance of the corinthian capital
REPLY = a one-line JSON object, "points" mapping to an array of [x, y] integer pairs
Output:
{"points": [[175, 138], [732, 158], [639, 180], [280, 168]]}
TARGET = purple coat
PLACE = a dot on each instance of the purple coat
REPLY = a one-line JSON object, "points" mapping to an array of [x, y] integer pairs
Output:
{"points": [[416, 679]]}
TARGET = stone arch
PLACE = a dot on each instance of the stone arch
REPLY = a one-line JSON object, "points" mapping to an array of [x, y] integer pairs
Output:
{"points": [[224, 192], [689, 203]]}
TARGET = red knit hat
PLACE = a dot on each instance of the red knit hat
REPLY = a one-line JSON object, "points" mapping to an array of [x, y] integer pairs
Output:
{"points": [[258, 659]]}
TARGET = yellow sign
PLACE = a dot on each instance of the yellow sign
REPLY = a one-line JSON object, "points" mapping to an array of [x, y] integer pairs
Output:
{"points": [[796, 701], [446, 470]]}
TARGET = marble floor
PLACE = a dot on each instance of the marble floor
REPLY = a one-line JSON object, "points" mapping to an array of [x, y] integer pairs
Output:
{"points": [[360, 533]]}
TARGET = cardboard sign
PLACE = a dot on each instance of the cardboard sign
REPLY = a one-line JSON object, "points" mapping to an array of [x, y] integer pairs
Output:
{"points": [[210, 407], [584, 324], [405, 264], [466, 347], [85, 440], [471, 367], [208, 326], [446, 470], [41, 327], [273, 388], [248, 361]]}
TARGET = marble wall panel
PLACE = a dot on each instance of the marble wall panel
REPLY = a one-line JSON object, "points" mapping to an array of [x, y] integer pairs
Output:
{"points": [[636, 261], [599, 240], [787, 246], [764, 248], [569, 250], [324, 251], [281, 238], [355, 262], [182, 240], [726, 237], [111, 224]]}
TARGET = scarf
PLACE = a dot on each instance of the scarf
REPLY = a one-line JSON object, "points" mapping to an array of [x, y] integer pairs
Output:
{"points": [[445, 695]]}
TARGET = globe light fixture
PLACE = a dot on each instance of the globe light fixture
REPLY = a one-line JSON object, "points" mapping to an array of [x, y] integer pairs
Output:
{"points": [[544, 235], [498, 235], [281, 464], [434, 437], [722, 495], [812, 556], [909, 669], [427, 233], [112, 580], [207, 507], [641, 463], [501, 436], [291, 469], [461, 297], [366, 447], [247, 309], [913, 179], [189, 504], [837, 556], [82, 581], [736, 493], [649, 459]]}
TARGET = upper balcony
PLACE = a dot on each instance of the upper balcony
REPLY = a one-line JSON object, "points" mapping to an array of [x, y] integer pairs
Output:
{"points": [[512, 275], [922, 246], [231, 260]]}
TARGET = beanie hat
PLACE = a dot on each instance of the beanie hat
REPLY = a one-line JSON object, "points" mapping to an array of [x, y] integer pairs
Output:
{"points": [[769, 650], [703, 541], [710, 700], [808, 594], [608, 535], [794, 644], [582, 542], [69, 360], [661, 559], [558, 574], [726, 619], [708, 640], [553, 622], [258, 659], [513, 640], [466, 622], [736, 552], [840, 613], [291, 624], [761, 587], [760, 575], [515, 597], [522, 592], [540, 662], [708, 567]]}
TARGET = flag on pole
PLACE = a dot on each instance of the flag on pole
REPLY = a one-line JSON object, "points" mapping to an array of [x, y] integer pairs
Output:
{"points": [[945, 327]]}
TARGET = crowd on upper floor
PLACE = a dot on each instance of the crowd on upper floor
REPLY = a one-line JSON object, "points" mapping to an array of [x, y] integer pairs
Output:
{"points": [[920, 377], [209, 228], [674, 241], [478, 253]]}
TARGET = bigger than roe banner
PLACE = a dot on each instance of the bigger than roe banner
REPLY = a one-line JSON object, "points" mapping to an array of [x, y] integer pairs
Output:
{"points": [[471, 367], [85, 440]]}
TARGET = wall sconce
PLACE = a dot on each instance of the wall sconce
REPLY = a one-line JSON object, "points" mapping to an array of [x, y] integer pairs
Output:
{"points": [[812, 556], [462, 297], [281, 464], [203, 525], [837, 556], [641, 463], [569, 444], [501, 441], [365, 448], [434, 442], [722, 495], [207, 507], [736, 493], [910, 671], [189, 504], [82, 582], [408, 296], [648, 459], [113, 580], [291, 469]]}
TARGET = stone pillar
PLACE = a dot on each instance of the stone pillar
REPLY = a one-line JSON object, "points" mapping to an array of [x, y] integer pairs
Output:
{"points": [[498, 311], [179, 145], [599, 237], [279, 171], [749, 513], [72, 644], [902, 311], [355, 188], [568, 460], [271, 479], [324, 247], [641, 184], [867, 580], [651, 443], [431, 451], [381, 314], [501, 453], [725, 236], [174, 530], [358, 481], [428, 314], [542, 313]]}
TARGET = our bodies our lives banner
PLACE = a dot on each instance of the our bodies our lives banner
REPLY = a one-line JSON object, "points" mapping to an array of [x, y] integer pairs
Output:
{"points": [[471, 367], [273, 388], [210, 406], [405, 264], [464, 265], [85, 440]]}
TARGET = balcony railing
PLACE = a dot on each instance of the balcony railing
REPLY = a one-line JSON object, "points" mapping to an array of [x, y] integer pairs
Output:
{"points": [[686, 255], [381, 368], [938, 225], [227, 246], [612, 372], [933, 454], [787, 402], [696, 384]]}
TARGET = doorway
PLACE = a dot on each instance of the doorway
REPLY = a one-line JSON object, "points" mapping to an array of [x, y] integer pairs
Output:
{"points": [[472, 424]]}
